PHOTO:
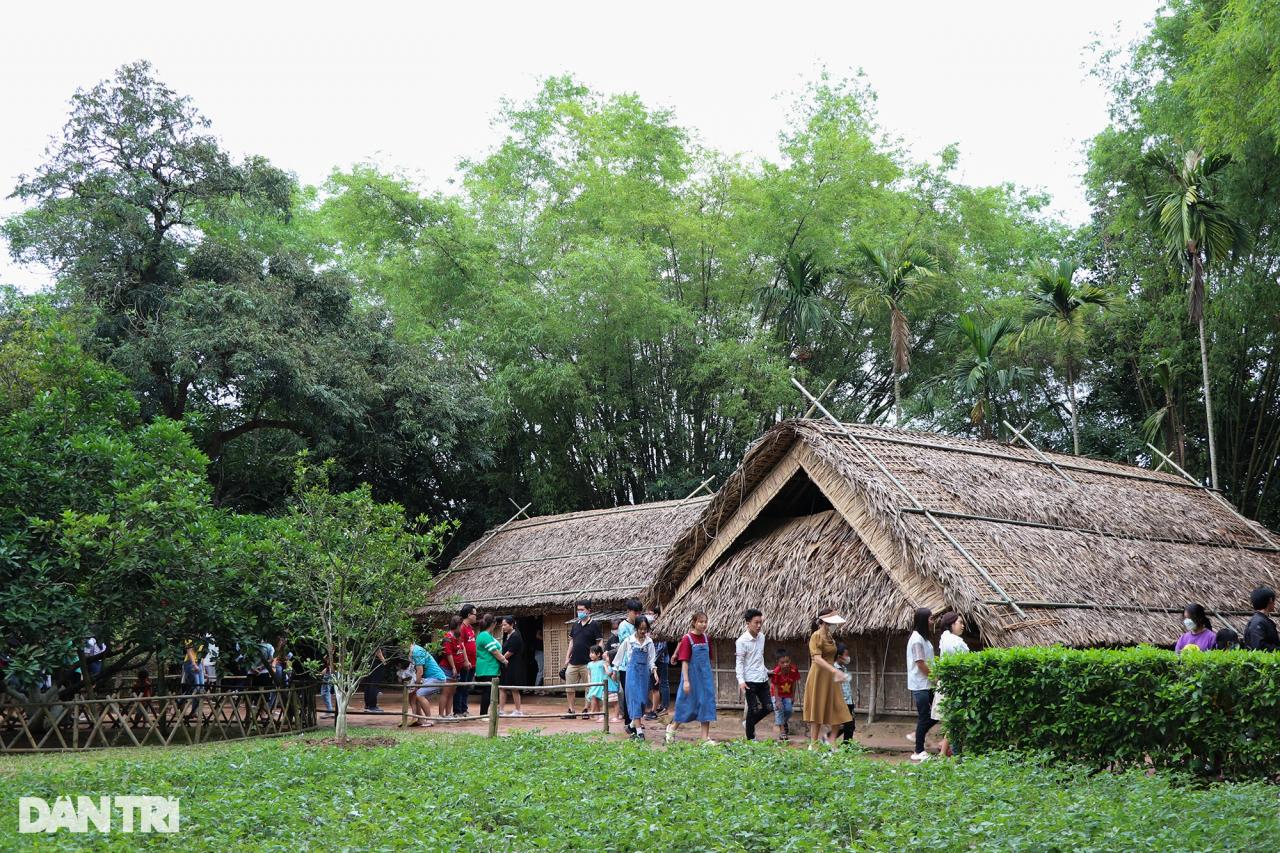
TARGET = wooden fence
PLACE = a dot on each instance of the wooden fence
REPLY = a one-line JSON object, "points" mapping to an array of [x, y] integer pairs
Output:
{"points": [[156, 721]]}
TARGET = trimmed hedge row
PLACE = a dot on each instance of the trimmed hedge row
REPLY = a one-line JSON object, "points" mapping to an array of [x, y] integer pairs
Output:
{"points": [[1204, 711]]}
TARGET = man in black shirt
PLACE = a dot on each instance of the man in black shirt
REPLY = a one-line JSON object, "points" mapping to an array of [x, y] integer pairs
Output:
{"points": [[1260, 634], [583, 634]]}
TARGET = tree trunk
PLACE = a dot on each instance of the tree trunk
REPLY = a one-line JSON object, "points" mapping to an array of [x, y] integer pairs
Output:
{"points": [[344, 685], [897, 398], [1208, 406], [1075, 421]]}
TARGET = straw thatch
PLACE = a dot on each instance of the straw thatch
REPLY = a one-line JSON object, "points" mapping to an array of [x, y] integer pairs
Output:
{"points": [[549, 561], [1091, 552]]}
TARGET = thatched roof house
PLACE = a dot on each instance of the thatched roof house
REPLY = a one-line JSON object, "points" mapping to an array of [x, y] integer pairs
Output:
{"points": [[537, 568], [1035, 548]]}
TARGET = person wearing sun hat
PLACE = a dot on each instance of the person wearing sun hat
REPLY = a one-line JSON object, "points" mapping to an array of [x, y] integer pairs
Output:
{"points": [[823, 701]]}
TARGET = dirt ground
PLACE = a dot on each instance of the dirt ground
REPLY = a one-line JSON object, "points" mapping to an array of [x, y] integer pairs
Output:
{"points": [[886, 738]]}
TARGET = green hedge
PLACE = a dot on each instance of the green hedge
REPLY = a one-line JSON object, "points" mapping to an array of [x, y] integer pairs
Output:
{"points": [[1203, 711]]}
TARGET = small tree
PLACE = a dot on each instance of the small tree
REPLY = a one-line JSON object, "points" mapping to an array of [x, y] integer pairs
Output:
{"points": [[357, 568]]}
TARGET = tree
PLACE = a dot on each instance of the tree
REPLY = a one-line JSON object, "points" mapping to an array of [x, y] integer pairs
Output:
{"points": [[803, 311], [106, 525], [1058, 306], [980, 374], [1196, 230], [900, 274], [358, 569]]}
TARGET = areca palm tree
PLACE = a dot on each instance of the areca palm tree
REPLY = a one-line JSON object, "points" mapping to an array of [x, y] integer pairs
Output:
{"points": [[796, 299], [978, 375], [1059, 306], [899, 274], [1197, 231]]}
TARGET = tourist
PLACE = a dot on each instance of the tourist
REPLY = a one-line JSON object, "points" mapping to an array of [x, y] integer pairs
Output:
{"points": [[93, 653], [696, 697], [372, 682], [846, 690], [514, 674], [952, 642], [660, 697], [638, 662], [782, 686], [489, 661], [421, 666], [583, 634], [753, 675], [467, 633], [623, 629], [1198, 630], [919, 659], [598, 678], [430, 679], [326, 686], [539, 656], [142, 688], [192, 676], [209, 663], [1260, 634], [1227, 640], [823, 703]]}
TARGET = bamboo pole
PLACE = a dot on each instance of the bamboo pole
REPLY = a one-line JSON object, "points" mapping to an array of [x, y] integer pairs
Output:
{"points": [[1134, 608], [404, 707], [825, 391], [476, 548], [1036, 451], [605, 705]]}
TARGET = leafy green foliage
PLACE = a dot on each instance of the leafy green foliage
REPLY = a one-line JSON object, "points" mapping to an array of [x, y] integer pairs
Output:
{"points": [[358, 571], [569, 793], [1214, 710]]}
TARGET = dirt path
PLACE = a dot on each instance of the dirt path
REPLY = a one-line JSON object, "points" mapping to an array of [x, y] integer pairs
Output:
{"points": [[887, 739]]}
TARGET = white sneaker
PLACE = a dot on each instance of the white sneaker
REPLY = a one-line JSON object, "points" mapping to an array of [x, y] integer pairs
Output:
{"points": [[516, 714], [709, 742], [919, 756], [669, 734]]}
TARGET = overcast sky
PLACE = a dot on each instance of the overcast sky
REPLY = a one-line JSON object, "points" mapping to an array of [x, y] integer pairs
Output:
{"points": [[415, 85]]}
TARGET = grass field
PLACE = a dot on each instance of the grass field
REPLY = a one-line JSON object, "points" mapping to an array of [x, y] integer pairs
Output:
{"points": [[529, 792]]}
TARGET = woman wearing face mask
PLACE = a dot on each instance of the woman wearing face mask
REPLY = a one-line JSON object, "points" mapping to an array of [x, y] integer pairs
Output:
{"points": [[1199, 630]]}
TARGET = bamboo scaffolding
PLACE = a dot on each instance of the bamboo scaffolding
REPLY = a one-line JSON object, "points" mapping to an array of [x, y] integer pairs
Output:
{"points": [[1036, 451]]}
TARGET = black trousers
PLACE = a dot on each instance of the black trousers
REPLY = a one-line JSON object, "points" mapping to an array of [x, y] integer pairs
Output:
{"points": [[846, 730], [924, 715], [759, 705], [485, 690], [462, 696]]}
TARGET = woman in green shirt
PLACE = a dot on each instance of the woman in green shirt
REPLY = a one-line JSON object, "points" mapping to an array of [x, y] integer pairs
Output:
{"points": [[489, 659]]}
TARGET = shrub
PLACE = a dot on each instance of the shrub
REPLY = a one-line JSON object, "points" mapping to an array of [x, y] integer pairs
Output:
{"points": [[1201, 711]]}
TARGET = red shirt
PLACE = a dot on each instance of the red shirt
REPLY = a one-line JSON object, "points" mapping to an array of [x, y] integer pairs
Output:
{"points": [[469, 639], [453, 656], [684, 651], [784, 681]]}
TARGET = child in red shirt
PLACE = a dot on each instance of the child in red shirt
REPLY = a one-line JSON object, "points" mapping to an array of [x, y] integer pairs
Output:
{"points": [[782, 685]]}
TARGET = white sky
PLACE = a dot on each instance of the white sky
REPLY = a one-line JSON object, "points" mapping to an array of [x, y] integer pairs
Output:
{"points": [[415, 85]]}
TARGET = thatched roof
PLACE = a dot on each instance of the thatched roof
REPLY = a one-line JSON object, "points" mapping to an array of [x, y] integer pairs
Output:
{"points": [[607, 555], [1084, 553]]}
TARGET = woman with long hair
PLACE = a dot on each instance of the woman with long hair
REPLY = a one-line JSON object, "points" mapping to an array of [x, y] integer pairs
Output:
{"points": [[919, 661]]}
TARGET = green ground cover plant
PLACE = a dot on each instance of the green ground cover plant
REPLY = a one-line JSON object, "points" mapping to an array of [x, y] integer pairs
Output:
{"points": [[1212, 712], [529, 792]]}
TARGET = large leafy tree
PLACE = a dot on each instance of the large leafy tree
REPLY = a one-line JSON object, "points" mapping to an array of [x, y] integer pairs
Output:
{"points": [[1196, 230], [985, 374], [106, 525], [1059, 305]]}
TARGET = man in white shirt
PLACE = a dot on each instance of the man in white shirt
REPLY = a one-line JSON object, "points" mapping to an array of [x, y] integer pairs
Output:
{"points": [[753, 675]]}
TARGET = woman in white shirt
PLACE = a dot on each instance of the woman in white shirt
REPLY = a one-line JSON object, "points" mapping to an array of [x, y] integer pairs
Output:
{"points": [[919, 659], [952, 642]]}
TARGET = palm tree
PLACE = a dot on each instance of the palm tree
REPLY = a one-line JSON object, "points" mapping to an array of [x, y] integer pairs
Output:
{"points": [[803, 310], [1196, 230], [899, 274], [978, 375], [1058, 307], [1165, 419]]}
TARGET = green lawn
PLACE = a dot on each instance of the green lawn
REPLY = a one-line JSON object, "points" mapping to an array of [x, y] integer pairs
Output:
{"points": [[530, 792]]}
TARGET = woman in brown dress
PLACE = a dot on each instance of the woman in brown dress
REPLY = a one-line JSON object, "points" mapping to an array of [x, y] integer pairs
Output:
{"points": [[823, 703]]}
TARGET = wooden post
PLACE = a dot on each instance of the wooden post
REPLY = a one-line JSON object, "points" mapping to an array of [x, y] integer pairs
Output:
{"points": [[605, 705], [871, 705], [493, 708], [404, 708]]}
